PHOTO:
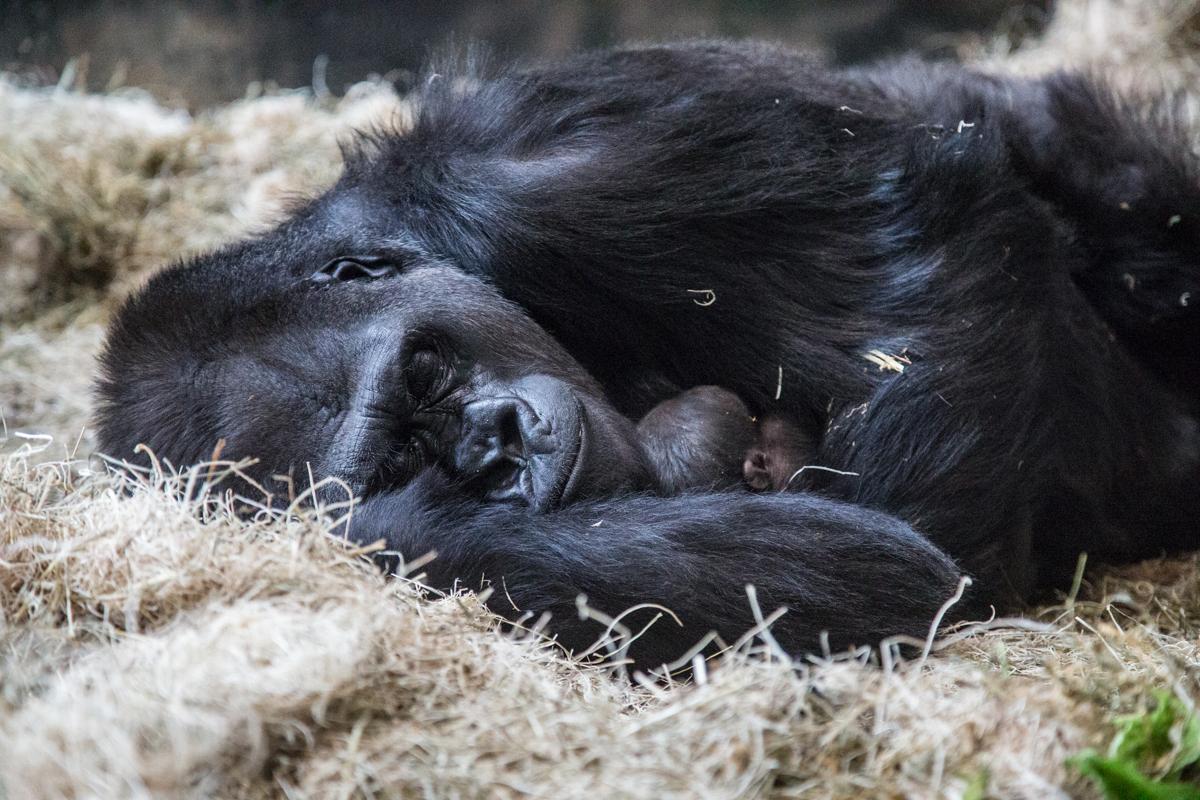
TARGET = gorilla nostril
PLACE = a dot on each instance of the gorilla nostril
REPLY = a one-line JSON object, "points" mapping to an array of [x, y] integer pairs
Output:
{"points": [[501, 479], [511, 441], [492, 449]]}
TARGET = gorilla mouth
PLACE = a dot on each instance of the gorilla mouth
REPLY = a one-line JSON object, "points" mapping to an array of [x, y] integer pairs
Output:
{"points": [[573, 457]]}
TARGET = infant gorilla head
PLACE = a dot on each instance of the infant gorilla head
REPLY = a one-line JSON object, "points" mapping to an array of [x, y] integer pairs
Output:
{"points": [[706, 438]]}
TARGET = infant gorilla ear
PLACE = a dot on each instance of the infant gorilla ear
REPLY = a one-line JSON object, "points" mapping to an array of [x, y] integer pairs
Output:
{"points": [[705, 438], [781, 449]]}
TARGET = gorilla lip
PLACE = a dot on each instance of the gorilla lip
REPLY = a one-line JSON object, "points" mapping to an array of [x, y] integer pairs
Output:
{"points": [[572, 462]]}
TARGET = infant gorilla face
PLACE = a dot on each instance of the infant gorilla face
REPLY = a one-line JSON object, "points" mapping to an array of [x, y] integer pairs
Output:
{"points": [[706, 438]]}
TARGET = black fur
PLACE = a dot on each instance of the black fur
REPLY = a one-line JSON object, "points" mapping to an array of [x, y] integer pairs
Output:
{"points": [[1023, 250]]}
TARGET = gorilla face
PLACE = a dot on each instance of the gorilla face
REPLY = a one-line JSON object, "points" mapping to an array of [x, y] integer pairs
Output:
{"points": [[371, 369]]}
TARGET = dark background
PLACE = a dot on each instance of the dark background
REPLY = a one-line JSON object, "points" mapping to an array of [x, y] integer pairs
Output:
{"points": [[208, 51]]}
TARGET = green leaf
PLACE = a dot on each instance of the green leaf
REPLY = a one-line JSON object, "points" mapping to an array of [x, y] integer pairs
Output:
{"points": [[1146, 739], [1189, 745], [976, 788], [1121, 780]]}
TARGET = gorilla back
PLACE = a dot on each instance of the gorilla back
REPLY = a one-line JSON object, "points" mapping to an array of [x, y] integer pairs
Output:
{"points": [[974, 288]]}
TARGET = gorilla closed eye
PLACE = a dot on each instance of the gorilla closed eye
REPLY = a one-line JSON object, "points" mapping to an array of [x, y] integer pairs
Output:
{"points": [[424, 372], [345, 268]]}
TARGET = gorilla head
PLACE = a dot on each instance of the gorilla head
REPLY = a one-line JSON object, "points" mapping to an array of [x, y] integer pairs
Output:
{"points": [[295, 350]]}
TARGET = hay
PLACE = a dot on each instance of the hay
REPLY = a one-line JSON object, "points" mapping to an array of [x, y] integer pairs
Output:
{"points": [[148, 648], [1138, 43], [156, 647]]}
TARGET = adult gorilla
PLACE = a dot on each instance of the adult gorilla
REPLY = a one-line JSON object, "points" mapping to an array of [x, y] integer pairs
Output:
{"points": [[975, 289]]}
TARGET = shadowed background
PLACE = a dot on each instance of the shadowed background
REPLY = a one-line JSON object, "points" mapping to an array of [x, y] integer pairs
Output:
{"points": [[206, 52]]}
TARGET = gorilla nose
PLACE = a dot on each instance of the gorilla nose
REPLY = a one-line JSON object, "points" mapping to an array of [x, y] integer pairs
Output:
{"points": [[493, 449]]}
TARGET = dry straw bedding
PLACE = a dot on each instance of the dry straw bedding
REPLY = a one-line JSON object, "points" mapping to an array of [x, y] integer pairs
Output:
{"points": [[151, 647]]}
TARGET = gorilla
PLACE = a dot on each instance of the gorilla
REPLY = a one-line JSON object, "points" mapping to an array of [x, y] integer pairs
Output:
{"points": [[971, 294], [706, 438], [699, 440]]}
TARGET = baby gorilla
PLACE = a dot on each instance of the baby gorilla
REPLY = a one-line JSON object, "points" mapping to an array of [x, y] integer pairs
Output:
{"points": [[706, 438]]}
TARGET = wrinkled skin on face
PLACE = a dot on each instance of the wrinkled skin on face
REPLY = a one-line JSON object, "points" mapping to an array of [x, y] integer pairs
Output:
{"points": [[372, 378], [781, 450], [456, 377]]}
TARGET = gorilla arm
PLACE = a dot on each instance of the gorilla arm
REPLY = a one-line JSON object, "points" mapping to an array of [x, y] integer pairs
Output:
{"points": [[858, 574]]}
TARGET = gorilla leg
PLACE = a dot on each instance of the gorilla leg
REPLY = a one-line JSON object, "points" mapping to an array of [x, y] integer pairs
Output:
{"points": [[1089, 455]]}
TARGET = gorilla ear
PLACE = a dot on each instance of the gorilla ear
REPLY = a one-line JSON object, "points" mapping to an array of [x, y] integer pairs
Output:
{"points": [[353, 268]]}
